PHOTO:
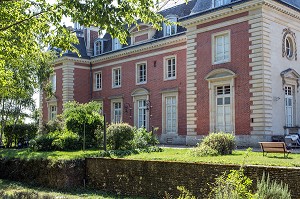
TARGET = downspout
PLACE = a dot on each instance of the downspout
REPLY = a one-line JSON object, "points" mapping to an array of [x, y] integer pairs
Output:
{"points": [[91, 81]]}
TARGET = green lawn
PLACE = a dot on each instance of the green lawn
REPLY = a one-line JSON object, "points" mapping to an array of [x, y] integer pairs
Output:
{"points": [[168, 154], [53, 155], [255, 158], [15, 189]]}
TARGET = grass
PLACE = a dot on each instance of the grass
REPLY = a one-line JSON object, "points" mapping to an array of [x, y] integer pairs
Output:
{"points": [[10, 188], [255, 158], [53, 155], [168, 154]]}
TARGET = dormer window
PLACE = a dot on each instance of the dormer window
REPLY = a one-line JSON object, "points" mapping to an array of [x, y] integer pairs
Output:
{"points": [[218, 3], [116, 44], [170, 29], [98, 47]]}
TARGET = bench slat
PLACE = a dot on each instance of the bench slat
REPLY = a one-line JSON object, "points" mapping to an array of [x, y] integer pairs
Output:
{"points": [[274, 147]]}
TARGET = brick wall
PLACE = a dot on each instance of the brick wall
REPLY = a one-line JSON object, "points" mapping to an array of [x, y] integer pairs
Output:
{"points": [[141, 37], [82, 85], [153, 178], [239, 64], [155, 84]]}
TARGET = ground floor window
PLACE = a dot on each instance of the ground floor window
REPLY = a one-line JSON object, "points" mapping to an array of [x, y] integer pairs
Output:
{"points": [[116, 112], [53, 112], [289, 105], [170, 112], [142, 113], [223, 109]]}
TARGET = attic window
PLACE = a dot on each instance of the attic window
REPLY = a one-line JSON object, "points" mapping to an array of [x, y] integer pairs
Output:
{"points": [[217, 3], [170, 29], [98, 47], [116, 45]]}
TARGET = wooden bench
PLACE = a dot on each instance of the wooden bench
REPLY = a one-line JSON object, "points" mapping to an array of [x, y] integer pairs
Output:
{"points": [[274, 147]]}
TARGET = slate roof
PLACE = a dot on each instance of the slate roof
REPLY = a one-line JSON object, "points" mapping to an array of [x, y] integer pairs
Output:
{"points": [[183, 11]]}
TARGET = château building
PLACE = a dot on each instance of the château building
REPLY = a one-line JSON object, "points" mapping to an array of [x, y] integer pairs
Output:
{"points": [[230, 65]]}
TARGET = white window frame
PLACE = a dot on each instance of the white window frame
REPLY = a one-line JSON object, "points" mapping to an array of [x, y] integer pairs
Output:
{"points": [[140, 94], [113, 110], [96, 50], [116, 45], [164, 112], [53, 82], [168, 28], [215, 80], [166, 71], [214, 47], [95, 81], [137, 73], [289, 50], [52, 113], [291, 96], [114, 84]]}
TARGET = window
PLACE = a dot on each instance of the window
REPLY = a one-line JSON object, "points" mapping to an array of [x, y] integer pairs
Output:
{"points": [[116, 77], [218, 3], [170, 68], [221, 100], [98, 81], [289, 49], [116, 44], [142, 108], [53, 82], [170, 111], [221, 48], [141, 73], [116, 111], [289, 105], [53, 112], [170, 29], [98, 47], [223, 109], [142, 115], [171, 114]]}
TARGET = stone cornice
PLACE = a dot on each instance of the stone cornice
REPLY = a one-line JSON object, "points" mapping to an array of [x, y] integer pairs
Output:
{"points": [[229, 10], [141, 48], [71, 59], [283, 9]]}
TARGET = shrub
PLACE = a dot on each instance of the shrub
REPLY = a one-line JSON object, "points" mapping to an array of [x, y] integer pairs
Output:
{"points": [[271, 190], [53, 125], [224, 143], [203, 150], [142, 138], [80, 117], [44, 142], [119, 136], [67, 140], [235, 185]]}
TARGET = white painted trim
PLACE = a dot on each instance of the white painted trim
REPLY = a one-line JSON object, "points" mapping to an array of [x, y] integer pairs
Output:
{"points": [[112, 77], [94, 81], [144, 56], [135, 109], [213, 46], [137, 73], [164, 96], [112, 108], [165, 67]]}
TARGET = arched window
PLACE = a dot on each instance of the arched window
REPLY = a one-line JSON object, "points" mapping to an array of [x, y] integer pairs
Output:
{"points": [[289, 49]]}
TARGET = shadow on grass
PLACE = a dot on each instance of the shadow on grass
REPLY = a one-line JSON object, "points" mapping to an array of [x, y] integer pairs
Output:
{"points": [[278, 157], [25, 154], [12, 186]]}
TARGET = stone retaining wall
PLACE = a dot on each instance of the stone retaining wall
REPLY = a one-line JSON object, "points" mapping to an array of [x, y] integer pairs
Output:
{"points": [[153, 178], [60, 174]]}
